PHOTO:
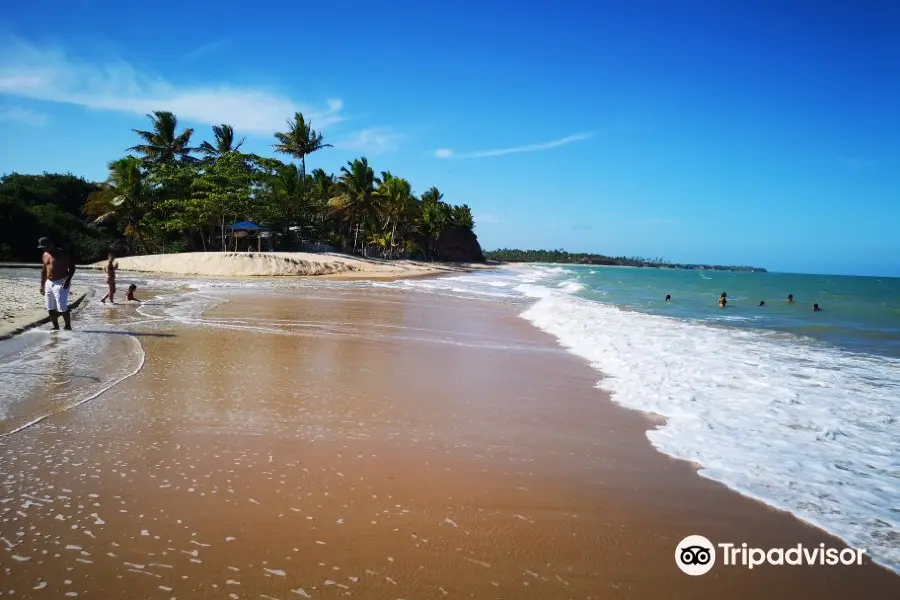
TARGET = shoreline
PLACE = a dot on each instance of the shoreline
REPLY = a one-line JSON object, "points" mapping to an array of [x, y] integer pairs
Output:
{"points": [[359, 433], [406, 270]]}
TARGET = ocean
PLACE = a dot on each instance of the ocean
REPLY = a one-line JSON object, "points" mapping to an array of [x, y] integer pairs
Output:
{"points": [[795, 408]]}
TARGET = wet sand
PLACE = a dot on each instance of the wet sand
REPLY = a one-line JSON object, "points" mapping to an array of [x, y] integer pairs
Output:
{"points": [[372, 444], [22, 305]]}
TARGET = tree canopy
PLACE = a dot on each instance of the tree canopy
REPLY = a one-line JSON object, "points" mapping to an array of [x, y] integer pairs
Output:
{"points": [[564, 257], [172, 194]]}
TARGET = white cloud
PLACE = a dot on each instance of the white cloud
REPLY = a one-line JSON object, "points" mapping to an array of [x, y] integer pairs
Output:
{"points": [[447, 153], [375, 140], [26, 116], [49, 74], [201, 51]]}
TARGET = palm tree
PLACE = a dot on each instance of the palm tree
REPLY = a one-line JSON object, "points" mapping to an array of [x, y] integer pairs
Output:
{"points": [[432, 196], [224, 141], [287, 192], [125, 196], [356, 200], [395, 195], [161, 143], [435, 215], [461, 216], [322, 185], [299, 141]]}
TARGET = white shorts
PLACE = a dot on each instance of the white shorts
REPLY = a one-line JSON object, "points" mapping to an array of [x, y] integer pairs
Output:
{"points": [[56, 296]]}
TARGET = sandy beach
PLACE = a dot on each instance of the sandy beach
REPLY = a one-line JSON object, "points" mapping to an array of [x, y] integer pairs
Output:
{"points": [[21, 308], [349, 441], [281, 264]]}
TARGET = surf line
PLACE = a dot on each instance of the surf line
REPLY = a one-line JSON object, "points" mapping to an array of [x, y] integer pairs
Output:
{"points": [[88, 399]]}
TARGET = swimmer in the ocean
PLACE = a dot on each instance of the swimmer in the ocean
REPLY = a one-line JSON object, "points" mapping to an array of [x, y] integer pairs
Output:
{"points": [[762, 303], [816, 307], [790, 297], [668, 297], [723, 300]]}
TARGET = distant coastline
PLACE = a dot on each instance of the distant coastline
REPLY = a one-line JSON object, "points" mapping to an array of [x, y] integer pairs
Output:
{"points": [[577, 258]]}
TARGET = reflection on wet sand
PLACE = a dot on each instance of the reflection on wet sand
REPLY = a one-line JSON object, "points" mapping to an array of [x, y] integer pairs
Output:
{"points": [[365, 443]]}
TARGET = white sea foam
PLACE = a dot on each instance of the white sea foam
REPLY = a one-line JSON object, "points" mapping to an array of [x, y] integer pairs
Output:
{"points": [[799, 425]]}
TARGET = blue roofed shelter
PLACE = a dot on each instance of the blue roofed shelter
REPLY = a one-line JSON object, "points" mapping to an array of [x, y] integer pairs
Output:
{"points": [[252, 233]]}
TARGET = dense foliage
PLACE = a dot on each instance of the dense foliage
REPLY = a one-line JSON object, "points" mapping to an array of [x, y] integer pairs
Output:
{"points": [[172, 196], [32, 206], [561, 256]]}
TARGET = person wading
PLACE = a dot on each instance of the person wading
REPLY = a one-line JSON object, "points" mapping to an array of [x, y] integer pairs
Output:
{"points": [[56, 277], [110, 270]]}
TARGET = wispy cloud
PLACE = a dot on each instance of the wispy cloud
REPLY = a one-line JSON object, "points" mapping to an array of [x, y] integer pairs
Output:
{"points": [[204, 50], [447, 153], [48, 73], [581, 227], [26, 116], [375, 140]]}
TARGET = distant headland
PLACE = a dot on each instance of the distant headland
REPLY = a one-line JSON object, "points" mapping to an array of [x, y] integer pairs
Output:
{"points": [[577, 258]]}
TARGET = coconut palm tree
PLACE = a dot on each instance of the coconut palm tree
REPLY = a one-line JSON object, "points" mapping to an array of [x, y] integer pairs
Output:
{"points": [[125, 196], [287, 194], [299, 141], [435, 215], [461, 216], [223, 142], [432, 196], [321, 186], [356, 200], [395, 200], [161, 143]]}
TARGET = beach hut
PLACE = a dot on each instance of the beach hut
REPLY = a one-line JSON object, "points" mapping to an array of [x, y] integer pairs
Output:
{"points": [[252, 233]]}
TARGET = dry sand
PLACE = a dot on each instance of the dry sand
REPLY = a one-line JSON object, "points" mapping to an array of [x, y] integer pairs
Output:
{"points": [[371, 444], [279, 264]]}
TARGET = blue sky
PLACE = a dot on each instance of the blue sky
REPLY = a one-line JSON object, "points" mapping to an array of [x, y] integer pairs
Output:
{"points": [[766, 133]]}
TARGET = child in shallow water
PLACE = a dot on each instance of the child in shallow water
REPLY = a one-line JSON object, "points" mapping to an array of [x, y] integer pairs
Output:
{"points": [[130, 295]]}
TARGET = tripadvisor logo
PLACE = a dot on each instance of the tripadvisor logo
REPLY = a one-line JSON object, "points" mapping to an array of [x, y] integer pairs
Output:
{"points": [[696, 555]]}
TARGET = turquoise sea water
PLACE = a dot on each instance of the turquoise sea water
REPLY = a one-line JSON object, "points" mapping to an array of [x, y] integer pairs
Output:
{"points": [[861, 314]]}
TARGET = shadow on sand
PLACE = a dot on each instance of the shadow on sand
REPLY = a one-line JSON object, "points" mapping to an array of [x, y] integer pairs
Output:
{"points": [[131, 333]]}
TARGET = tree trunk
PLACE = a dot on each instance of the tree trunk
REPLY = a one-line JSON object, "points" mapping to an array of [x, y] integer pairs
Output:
{"points": [[393, 230]]}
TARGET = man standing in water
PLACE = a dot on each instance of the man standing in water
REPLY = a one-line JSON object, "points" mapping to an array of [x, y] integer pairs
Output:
{"points": [[56, 277]]}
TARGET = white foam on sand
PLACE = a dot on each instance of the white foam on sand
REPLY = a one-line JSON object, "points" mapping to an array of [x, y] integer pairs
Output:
{"points": [[800, 425]]}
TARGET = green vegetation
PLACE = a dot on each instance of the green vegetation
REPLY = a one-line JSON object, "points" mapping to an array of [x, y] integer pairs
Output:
{"points": [[32, 206], [561, 256], [171, 196]]}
